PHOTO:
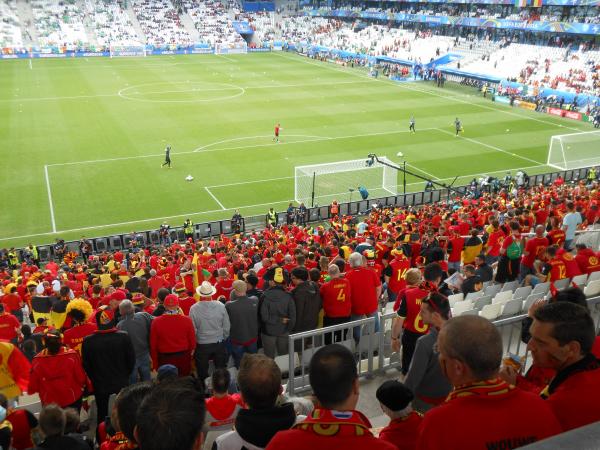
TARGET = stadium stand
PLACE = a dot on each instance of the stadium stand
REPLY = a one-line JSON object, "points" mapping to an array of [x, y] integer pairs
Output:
{"points": [[59, 23], [111, 23], [160, 23], [212, 21], [10, 25]]}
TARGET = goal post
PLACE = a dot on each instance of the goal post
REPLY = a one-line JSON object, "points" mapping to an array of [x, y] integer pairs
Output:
{"points": [[120, 50], [574, 150], [230, 48], [340, 180]]}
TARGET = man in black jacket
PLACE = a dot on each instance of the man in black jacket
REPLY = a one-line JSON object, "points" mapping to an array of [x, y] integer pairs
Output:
{"points": [[278, 314], [108, 358], [307, 299], [483, 270]]}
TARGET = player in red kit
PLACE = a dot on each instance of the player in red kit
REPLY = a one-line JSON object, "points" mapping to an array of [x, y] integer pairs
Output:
{"points": [[277, 130]]}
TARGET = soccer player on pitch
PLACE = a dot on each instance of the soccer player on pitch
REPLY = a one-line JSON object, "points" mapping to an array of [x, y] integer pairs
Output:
{"points": [[412, 124], [167, 157], [458, 126], [277, 130]]}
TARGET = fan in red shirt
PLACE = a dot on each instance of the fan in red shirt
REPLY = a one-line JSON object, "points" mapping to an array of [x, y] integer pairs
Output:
{"points": [[13, 302], [534, 249], [80, 311], [395, 400], [336, 297], [10, 327], [365, 286], [223, 285], [574, 393], [185, 300], [172, 338], [470, 352], [587, 260], [221, 408], [494, 242], [396, 274], [554, 269], [556, 235], [572, 267]]}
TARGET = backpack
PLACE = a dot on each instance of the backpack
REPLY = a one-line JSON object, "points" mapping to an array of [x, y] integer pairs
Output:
{"points": [[514, 250]]}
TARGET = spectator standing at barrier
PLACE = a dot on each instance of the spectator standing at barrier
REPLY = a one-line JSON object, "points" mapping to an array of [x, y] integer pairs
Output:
{"points": [[409, 325], [172, 338], [108, 359], [211, 324], [307, 300], [243, 316], [337, 306], [395, 400], [562, 337], [334, 381], [278, 314], [188, 229], [365, 289], [570, 222], [470, 355], [236, 222], [259, 380], [137, 325], [425, 378], [271, 218], [301, 214]]}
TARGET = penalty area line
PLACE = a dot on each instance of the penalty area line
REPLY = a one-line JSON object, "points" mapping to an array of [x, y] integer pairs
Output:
{"points": [[214, 198], [50, 203]]}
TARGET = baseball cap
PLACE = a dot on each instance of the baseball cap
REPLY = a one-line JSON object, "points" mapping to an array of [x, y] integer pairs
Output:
{"points": [[171, 301], [179, 287]]}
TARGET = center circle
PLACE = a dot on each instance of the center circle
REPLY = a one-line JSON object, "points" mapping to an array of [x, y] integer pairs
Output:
{"points": [[176, 91]]}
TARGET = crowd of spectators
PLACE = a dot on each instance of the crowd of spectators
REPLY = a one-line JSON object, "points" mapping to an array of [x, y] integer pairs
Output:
{"points": [[111, 23], [10, 25], [212, 19], [160, 23], [108, 324]]}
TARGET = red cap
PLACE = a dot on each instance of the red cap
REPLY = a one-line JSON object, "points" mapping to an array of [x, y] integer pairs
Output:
{"points": [[179, 287], [118, 295], [171, 301]]}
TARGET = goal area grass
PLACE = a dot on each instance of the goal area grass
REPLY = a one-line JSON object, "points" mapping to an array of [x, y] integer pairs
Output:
{"points": [[83, 140]]}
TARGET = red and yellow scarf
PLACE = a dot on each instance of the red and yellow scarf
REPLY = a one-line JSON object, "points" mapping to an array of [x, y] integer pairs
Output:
{"points": [[492, 387], [325, 422]]}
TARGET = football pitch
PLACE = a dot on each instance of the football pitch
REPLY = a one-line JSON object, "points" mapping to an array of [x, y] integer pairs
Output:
{"points": [[82, 140]]}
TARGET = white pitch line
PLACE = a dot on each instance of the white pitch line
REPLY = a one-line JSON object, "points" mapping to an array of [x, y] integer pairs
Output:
{"points": [[430, 175], [214, 198], [228, 59], [250, 182], [30, 64], [423, 91], [50, 199], [241, 147], [492, 147], [263, 86]]}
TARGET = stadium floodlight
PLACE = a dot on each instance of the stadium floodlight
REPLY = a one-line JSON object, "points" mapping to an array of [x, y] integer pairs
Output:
{"points": [[323, 183], [574, 150]]}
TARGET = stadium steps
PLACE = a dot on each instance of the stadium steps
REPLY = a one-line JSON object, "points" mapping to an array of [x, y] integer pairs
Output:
{"points": [[135, 23], [189, 26], [26, 16], [88, 24]]}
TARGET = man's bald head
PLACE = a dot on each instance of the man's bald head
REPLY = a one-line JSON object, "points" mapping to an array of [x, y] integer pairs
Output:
{"points": [[540, 230], [475, 341]]}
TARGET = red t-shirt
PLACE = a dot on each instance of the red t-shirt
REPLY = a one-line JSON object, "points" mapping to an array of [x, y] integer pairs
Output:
{"points": [[410, 310], [402, 432], [458, 244], [587, 260], [494, 242], [336, 296], [73, 337], [12, 302], [8, 326], [519, 418], [556, 237], [535, 248], [399, 266], [363, 288]]}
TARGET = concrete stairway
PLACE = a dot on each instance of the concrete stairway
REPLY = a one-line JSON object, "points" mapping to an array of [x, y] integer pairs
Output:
{"points": [[29, 32], [136, 25], [87, 24], [189, 26]]}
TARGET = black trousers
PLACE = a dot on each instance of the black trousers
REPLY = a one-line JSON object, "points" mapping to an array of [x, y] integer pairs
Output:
{"points": [[336, 335], [409, 342], [205, 352]]}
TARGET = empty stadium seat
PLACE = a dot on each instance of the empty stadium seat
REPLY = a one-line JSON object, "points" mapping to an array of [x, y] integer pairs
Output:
{"points": [[580, 280], [115, 243], [562, 284], [472, 296], [502, 297], [44, 252], [510, 286], [594, 276], [511, 308], [522, 292], [101, 244], [461, 307], [283, 361], [542, 288], [530, 300], [592, 289], [492, 290], [491, 312], [482, 301], [453, 299]]}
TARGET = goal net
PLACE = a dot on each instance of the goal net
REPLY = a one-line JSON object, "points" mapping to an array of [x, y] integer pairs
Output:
{"points": [[117, 50], [574, 150], [341, 180], [230, 48]]}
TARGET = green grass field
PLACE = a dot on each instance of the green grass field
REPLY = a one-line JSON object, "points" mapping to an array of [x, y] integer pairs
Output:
{"points": [[82, 140]]}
